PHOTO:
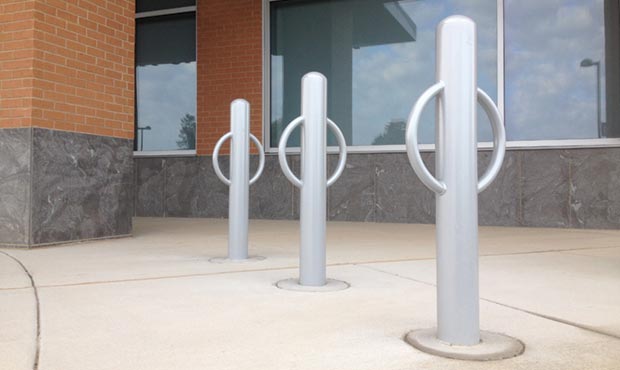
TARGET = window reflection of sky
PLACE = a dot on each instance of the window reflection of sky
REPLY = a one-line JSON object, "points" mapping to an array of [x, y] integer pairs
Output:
{"points": [[548, 95], [165, 93], [388, 78]]}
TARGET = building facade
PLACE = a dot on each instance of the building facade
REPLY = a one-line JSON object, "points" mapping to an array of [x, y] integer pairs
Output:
{"points": [[110, 109]]}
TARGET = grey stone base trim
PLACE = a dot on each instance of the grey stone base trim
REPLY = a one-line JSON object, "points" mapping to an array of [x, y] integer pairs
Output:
{"points": [[492, 346], [567, 188], [15, 180], [45, 245], [15, 246], [59, 187]]}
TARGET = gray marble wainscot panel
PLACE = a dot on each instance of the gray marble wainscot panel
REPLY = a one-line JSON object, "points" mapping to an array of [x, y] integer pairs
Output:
{"points": [[82, 186], [182, 187], [499, 204], [15, 149], [545, 196], [116, 205], [595, 188], [352, 197], [212, 198], [295, 164], [271, 197], [400, 195], [150, 187]]}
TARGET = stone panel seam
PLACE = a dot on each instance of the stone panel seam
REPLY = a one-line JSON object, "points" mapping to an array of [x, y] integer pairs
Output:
{"points": [[375, 186], [569, 207], [30, 186], [521, 190], [292, 187], [136, 170], [165, 192]]}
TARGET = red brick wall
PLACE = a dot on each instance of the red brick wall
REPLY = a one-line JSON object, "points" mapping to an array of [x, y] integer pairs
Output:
{"points": [[16, 62], [75, 61], [229, 66]]}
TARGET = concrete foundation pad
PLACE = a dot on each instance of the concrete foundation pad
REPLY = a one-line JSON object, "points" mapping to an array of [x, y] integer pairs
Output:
{"points": [[229, 260], [492, 346], [331, 286]]}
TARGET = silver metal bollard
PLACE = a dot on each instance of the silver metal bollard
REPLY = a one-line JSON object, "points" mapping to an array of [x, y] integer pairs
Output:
{"points": [[239, 182], [457, 188], [313, 183]]}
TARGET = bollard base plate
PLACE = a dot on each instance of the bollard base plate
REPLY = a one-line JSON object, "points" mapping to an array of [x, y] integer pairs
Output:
{"points": [[229, 260], [492, 346], [331, 286]]}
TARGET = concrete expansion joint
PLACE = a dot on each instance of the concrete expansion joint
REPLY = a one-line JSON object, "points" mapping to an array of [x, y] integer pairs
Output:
{"points": [[558, 320], [546, 317]]}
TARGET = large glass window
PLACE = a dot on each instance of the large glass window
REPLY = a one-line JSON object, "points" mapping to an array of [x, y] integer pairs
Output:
{"points": [[378, 57], [556, 69], [561, 72], [166, 80]]}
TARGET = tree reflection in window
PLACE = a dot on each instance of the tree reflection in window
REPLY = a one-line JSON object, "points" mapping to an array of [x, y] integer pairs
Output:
{"points": [[187, 132]]}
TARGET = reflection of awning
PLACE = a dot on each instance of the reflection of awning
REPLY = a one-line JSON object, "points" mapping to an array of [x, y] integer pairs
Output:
{"points": [[166, 40], [370, 22], [381, 22]]}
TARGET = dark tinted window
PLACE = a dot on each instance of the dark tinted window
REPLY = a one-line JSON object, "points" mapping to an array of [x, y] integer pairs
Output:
{"points": [[166, 82], [150, 5]]}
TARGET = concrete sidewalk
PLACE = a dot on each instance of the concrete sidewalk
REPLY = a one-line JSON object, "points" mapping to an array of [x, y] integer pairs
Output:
{"points": [[155, 302]]}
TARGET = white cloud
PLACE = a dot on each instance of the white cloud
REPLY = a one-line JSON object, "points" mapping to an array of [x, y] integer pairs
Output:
{"points": [[548, 95], [389, 78]]}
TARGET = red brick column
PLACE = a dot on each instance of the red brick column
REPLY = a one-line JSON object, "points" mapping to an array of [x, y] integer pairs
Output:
{"points": [[68, 65], [16, 62], [229, 58], [66, 70]]}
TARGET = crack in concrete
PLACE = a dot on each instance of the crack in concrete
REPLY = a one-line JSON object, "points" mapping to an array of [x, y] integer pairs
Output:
{"points": [[35, 364]]}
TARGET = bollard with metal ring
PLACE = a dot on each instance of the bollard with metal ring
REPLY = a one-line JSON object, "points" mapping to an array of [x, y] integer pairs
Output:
{"points": [[239, 182], [313, 184], [456, 186]]}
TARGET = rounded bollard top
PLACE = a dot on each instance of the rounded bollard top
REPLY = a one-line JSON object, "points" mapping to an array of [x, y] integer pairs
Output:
{"points": [[314, 77], [456, 21], [239, 101]]}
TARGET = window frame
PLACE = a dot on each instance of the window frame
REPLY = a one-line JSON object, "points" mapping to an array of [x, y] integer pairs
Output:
{"points": [[166, 153], [400, 148]]}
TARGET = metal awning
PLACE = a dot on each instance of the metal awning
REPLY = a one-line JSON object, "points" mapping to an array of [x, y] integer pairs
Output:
{"points": [[388, 16], [374, 22]]}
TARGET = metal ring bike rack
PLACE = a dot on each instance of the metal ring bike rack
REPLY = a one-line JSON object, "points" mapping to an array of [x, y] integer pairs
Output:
{"points": [[238, 195], [456, 190], [313, 183], [342, 156]]}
